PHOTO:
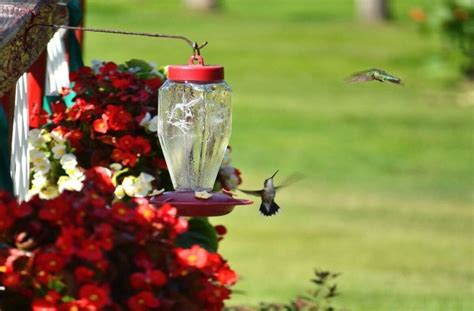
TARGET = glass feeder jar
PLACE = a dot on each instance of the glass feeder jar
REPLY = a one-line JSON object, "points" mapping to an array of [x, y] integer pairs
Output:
{"points": [[194, 123]]}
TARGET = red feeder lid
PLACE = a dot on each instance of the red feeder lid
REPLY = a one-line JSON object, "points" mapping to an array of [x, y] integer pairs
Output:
{"points": [[196, 72]]}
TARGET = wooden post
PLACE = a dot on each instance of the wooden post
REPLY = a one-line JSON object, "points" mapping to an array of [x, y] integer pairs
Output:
{"points": [[373, 10], [203, 5]]}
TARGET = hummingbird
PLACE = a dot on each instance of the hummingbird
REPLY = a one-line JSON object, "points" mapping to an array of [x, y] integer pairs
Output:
{"points": [[373, 74], [267, 194], [268, 206]]}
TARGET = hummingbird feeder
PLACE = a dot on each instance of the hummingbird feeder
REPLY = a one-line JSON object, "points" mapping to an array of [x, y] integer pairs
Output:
{"points": [[194, 127]]}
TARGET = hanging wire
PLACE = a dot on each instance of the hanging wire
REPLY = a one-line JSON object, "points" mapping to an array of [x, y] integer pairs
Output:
{"points": [[194, 45]]}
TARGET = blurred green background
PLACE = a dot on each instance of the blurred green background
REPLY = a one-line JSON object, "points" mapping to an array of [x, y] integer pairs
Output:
{"points": [[387, 197]]}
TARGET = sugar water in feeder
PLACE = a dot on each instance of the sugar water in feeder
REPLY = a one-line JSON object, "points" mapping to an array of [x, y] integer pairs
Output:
{"points": [[194, 127]]}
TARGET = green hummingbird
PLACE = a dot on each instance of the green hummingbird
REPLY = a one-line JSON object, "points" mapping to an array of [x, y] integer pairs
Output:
{"points": [[373, 74]]}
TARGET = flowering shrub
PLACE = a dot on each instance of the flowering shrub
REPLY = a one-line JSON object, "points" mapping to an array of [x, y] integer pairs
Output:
{"points": [[107, 118], [455, 18], [85, 250]]}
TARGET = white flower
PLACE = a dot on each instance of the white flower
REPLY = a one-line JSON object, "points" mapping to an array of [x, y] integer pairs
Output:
{"points": [[58, 137], [152, 126], [36, 156], [68, 183], [115, 167], [119, 192], [34, 138], [49, 192], [76, 173], [68, 161], [128, 185], [145, 178], [42, 166], [46, 136], [143, 185], [136, 186], [39, 181], [58, 151]]}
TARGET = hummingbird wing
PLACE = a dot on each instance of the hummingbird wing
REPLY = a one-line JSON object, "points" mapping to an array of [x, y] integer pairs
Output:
{"points": [[269, 209], [295, 177], [257, 193], [361, 76]]}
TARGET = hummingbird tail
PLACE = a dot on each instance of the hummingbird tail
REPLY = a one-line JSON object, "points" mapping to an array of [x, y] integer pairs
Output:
{"points": [[269, 209]]}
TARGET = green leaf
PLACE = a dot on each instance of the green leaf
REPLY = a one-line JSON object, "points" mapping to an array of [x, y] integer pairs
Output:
{"points": [[200, 232], [143, 65], [67, 299], [56, 284]]}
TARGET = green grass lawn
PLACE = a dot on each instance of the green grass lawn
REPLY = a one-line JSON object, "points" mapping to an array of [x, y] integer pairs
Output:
{"points": [[387, 197]]}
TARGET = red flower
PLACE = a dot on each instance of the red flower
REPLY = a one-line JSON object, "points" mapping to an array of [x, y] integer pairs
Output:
{"points": [[79, 109], [90, 250], [96, 296], [52, 296], [195, 256], [24, 209], [75, 138], [154, 83], [167, 213], [144, 280], [141, 146], [100, 125], [118, 118], [226, 276], [67, 239], [214, 295], [122, 212], [108, 68], [101, 179], [143, 301], [145, 213], [126, 158], [58, 110], [54, 210], [138, 280], [43, 277], [50, 262], [43, 305], [121, 83], [157, 278], [126, 142], [5, 222], [83, 274], [11, 279]]}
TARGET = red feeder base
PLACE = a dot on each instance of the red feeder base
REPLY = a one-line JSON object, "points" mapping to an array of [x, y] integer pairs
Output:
{"points": [[188, 205]]}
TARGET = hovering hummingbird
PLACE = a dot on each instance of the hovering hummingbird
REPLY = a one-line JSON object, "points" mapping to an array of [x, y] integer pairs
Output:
{"points": [[373, 74], [268, 206]]}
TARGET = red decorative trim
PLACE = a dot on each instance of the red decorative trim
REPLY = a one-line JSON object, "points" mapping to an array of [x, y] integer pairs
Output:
{"points": [[36, 81]]}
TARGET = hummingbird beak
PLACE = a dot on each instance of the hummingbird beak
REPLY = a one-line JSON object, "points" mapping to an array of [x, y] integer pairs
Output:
{"points": [[274, 174]]}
